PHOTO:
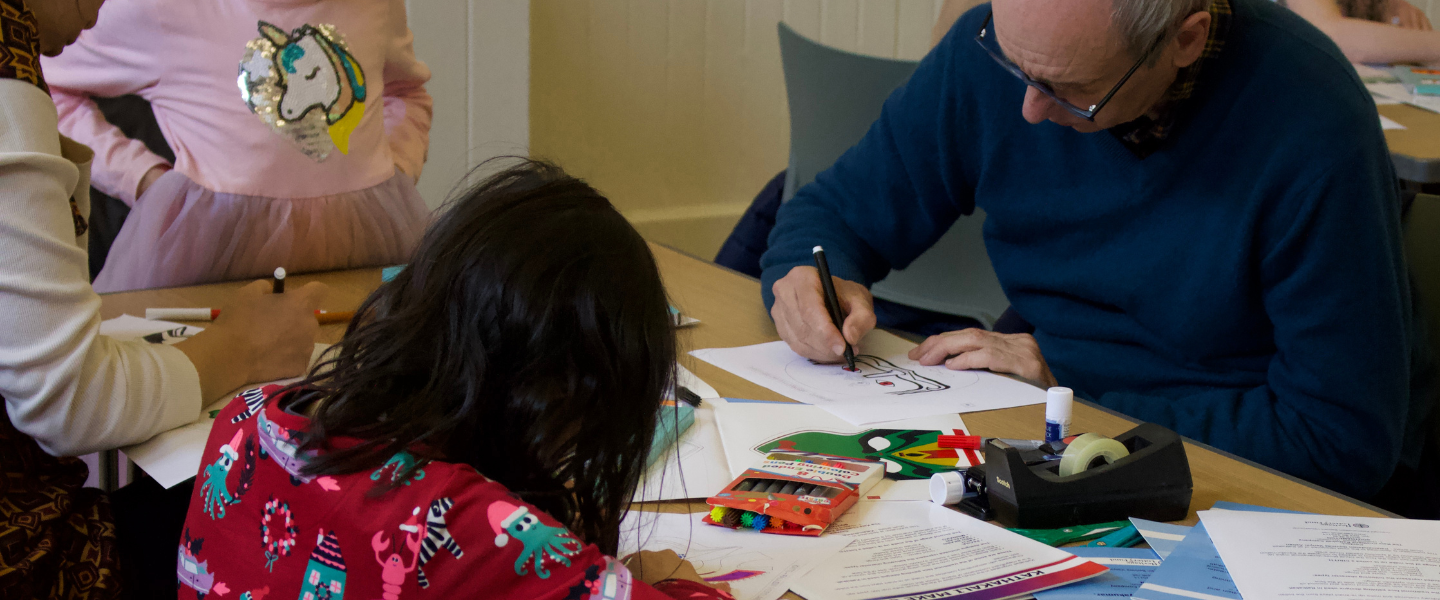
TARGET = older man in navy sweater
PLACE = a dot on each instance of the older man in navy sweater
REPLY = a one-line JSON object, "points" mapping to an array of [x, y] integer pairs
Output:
{"points": [[1190, 201]]}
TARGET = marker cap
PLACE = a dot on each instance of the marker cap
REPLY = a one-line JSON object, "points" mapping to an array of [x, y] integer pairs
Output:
{"points": [[947, 488], [961, 442], [181, 314]]}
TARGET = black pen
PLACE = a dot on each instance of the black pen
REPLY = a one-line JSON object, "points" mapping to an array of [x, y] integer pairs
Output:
{"points": [[278, 286], [832, 303], [687, 396]]}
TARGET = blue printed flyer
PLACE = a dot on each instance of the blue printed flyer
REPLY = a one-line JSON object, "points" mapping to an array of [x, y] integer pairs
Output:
{"points": [[1194, 570], [1162, 537]]}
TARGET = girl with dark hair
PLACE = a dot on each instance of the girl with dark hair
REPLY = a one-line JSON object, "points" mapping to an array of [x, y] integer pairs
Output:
{"points": [[478, 432]]}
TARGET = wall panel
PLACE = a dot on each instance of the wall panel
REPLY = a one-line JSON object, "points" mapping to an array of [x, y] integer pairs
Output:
{"points": [[676, 109]]}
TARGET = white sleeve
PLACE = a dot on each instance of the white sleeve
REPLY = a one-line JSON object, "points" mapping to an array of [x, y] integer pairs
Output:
{"points": [[64, 384]]}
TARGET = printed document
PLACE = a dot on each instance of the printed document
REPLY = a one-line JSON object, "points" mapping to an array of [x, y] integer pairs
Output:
{"points": [[919, 551], [1275, 555]]}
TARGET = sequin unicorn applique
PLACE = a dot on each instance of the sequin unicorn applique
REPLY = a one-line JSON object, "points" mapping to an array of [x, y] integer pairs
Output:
{"points": [[306, 85]]}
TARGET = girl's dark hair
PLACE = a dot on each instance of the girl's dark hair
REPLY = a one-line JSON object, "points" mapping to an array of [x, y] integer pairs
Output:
{"points": [[530, 338]]}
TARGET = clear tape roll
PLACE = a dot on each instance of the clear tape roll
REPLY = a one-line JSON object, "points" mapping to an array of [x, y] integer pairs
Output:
{"points": [[1086, 450]]}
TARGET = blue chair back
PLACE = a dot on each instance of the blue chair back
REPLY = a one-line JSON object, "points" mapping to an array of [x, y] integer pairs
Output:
{"points": [[834, 97]]}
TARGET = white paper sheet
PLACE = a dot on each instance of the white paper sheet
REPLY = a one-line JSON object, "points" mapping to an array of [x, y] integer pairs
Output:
{"points": [[694, 468], [758, 566], [1396, 91], [1384, 100], [747, 424], [919, 550], [1392, 90], [888, 387], [1374, 73], [1387, 123], [174, 456], [1281, 555]]}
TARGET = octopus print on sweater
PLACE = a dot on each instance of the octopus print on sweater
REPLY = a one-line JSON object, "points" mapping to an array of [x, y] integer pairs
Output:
{"points": [[412, 529]]}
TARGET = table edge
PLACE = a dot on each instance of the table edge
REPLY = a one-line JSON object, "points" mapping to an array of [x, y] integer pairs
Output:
{"points": [[1246, 461], [1419, 170], [1130, 419]]}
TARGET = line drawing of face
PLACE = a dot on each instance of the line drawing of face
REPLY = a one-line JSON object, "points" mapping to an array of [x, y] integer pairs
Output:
{"points": [[872, 375]]}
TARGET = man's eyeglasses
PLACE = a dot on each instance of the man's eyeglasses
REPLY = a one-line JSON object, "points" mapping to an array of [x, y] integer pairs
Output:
{"points": [[986, 40]]}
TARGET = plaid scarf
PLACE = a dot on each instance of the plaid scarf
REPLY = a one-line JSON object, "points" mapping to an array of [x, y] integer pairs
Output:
{"points": [[1145, 135]]}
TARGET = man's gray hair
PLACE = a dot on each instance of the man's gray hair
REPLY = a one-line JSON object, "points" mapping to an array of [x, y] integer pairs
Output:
{"points": [[1142, 23]]}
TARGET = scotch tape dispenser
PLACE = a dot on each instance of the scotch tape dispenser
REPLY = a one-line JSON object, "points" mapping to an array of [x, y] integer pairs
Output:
{"points": [[1141, 473]]}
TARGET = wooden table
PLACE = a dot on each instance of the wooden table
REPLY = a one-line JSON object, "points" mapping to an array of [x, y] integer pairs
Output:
{"points": [[731, 314], [347, 290], [1415, 149]]}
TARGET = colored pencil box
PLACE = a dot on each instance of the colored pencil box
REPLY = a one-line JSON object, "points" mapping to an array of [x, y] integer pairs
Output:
{"points": [[793, 493], [674, 419], [1419, 80]]}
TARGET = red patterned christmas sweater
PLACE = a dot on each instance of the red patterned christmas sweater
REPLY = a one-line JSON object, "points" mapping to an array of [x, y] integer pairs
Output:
{"points": [[257, 528]]}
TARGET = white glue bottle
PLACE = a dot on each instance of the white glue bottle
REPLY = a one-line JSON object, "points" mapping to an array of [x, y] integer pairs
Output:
{"points": [[1059, 401]]}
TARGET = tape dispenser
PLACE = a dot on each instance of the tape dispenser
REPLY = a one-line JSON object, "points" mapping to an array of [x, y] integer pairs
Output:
{"points": [[1141, 473]]}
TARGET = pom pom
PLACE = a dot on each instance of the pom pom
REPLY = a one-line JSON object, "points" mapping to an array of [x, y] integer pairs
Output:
{"points": [[732, 518], [760, 522]]}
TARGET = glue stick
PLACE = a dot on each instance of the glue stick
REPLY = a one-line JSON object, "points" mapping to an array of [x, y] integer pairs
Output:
{"points": [[1058, 403]]}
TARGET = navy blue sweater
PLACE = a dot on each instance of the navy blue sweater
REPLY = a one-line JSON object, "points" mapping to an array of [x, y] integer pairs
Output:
{"points": [[1244, 285]]}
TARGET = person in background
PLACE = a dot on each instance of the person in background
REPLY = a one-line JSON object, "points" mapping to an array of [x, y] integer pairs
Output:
{"points": [[307, 161], [1374, 31], [1191, 204], [1367, 31], [441, 449], [67, 389]]}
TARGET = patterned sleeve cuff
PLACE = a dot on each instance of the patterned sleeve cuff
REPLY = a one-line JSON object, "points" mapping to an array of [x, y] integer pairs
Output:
{"points": [[684, 589]]}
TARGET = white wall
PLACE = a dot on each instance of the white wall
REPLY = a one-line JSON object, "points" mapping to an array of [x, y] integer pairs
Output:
{"points": [[1431, 8], [675, 109], [479, 56]]}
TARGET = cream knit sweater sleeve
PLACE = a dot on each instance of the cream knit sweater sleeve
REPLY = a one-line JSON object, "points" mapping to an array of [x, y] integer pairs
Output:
{"points": [[72, 389]]}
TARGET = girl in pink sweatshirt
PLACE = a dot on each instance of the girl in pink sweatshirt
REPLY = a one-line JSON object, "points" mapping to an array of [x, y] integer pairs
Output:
{"points": [[299, 128]]}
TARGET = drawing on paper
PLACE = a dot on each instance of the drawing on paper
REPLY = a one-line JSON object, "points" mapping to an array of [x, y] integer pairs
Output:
{"points": [[727, 564], [738, 566], [908, 454], [872, 375], [683, 451]]}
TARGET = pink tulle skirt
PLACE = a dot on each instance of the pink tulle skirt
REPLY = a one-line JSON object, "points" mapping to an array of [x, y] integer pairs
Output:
{"points": [[182, 234]]}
